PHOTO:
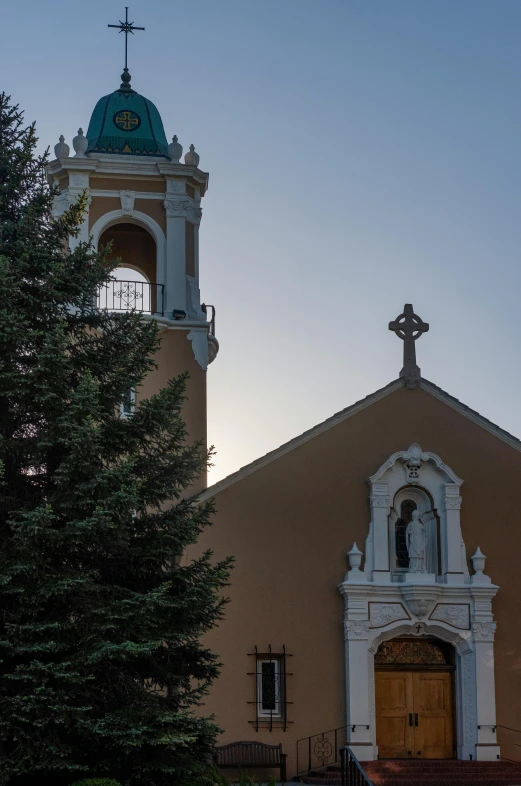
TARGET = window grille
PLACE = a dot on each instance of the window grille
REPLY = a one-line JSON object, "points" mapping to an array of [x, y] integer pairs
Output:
{"points": [[270, 685]]}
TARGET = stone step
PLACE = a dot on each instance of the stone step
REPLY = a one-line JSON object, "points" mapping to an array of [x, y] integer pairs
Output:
{"points": [[428, 773]]}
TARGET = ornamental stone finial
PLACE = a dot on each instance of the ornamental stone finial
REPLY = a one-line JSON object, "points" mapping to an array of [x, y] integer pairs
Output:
{"points": [[192, 158], [478, 563], [80, 143], [175, 150], [62, 149], [355, 559], [409, 327]]}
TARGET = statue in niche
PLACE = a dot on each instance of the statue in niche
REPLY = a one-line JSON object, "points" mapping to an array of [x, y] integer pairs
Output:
{"points": [[416, 539]]}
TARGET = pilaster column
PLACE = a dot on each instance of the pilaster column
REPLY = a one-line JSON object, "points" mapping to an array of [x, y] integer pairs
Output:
{"points": [[78, 183], [451, 555], [356, 635], [380, 522], [175, 279], [483, 630]]}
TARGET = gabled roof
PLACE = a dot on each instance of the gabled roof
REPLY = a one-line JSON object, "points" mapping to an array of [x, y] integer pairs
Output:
{"points": [[348, 412]]}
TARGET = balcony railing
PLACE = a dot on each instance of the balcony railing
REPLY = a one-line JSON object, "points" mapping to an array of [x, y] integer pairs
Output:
{"points": [[207, 307], [143, 296]]}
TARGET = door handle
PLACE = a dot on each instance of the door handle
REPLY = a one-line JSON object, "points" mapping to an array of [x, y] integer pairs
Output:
{"points": [[410, 719], [415, 718]]}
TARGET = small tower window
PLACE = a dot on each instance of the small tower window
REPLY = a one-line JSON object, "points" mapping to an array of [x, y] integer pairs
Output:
{"points": [[128, 403]]}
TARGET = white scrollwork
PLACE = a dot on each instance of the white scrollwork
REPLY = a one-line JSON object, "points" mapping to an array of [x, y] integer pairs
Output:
{"points": [[176, 208], [484, 631], [419, 607], [383, 613], [194, 214], [356, 629], [127, 202], [65, 200], [199, 339], [175, 186], [379, 501], [413, 460], [456, 615], [80, 181], [452, 503]]}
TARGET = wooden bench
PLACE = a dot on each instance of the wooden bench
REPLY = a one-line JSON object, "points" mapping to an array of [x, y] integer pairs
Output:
{"points": [[246, 755]]}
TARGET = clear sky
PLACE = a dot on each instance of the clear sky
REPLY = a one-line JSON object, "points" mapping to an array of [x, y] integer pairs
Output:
{"points": [[362, 154]]}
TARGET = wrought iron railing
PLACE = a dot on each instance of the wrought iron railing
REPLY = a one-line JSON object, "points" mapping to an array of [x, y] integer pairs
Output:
{"points": [[515, 746], [320, 750], [144, 296], [351, 771]]}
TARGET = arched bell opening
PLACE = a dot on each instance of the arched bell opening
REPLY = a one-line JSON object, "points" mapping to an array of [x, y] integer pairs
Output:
{"points": [[135, 285]]}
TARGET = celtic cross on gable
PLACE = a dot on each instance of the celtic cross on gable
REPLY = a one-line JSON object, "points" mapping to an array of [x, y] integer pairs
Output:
{"points": [[409, 327]]}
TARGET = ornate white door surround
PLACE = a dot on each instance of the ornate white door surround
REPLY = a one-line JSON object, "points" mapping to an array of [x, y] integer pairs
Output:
{"points": [[386, 599]]}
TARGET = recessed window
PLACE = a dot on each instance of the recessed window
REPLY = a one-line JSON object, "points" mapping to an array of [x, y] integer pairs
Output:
{"points": [[269, 688], [128, 403]]}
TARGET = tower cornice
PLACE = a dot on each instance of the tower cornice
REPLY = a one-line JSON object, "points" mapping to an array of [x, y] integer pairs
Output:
{"points": [[122, 165]]}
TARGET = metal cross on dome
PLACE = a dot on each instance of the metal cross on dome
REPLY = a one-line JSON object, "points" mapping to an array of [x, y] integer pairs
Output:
{"points": [[409, 327], [126, 27]]}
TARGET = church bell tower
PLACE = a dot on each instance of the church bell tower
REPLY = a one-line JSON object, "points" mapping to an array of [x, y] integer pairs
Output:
{"points": [[144, 199]]}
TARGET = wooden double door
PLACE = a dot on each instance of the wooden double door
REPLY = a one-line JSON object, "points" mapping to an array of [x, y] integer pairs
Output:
{"points": [[414, 714]]}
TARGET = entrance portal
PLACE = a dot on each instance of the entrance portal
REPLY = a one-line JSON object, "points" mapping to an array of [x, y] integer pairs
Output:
{"points": [[414, 700]]}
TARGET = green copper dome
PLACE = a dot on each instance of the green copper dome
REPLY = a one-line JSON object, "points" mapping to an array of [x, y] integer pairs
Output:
{"points": [[125, 123]]}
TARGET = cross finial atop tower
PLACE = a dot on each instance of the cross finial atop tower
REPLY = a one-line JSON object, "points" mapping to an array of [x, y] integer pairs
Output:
{"points": [[126, 27], [409, 327]]}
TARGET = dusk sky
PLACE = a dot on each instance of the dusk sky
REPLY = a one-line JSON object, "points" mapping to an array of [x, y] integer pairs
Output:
{"points": [[362, 154]]}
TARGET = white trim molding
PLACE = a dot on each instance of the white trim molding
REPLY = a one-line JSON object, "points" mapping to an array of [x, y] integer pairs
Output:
{"points": [[381, 603], [114, 217]]}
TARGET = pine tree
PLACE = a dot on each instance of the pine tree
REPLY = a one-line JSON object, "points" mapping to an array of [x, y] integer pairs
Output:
{"points": [[101, 663]]}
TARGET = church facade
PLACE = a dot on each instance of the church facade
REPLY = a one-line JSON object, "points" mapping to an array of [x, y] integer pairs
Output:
{"points": [[374, 600], [375, 595]]}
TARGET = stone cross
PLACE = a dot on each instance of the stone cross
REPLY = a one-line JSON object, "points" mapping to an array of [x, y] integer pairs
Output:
{"points": [[409, 327]]}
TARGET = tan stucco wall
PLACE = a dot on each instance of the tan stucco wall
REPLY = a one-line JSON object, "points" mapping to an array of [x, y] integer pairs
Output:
{"points": [[132, 183], [175, 356], [134, 246], [151, 207], [100, 206], [289, 526]]}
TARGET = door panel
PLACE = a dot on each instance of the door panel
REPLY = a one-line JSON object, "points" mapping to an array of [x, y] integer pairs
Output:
{"points": [[434, 735], [395, 735], [414, 715]]}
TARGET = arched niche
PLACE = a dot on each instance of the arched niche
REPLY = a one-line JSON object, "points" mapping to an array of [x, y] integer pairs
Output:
{"points": [[405, 501], [134, 246]]}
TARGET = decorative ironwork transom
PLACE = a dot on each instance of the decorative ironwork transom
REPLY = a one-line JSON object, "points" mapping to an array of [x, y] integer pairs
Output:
{"points": [[411, 653]]}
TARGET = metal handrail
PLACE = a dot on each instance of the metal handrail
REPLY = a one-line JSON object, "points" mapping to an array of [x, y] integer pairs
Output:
{"points": [[320, 750], [351, 771]]}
